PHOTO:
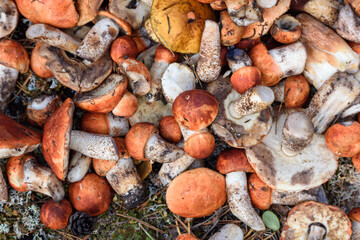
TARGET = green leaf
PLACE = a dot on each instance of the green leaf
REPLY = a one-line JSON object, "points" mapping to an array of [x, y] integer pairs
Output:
{"points": [[271, 220]]}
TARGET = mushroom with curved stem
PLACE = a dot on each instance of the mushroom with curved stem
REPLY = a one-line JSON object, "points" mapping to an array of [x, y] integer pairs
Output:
{"points": [[355, 222], [234, 164], [228, 231], [10, 17], [78, 167], [126, 182], [40, 108]]}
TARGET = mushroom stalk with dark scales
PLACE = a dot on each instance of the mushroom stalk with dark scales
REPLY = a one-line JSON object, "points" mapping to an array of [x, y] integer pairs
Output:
{"points": [[78, 167], [3, 189], [169, 171]]}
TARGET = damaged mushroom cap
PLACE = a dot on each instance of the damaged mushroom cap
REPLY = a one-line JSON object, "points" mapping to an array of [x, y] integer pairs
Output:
{"points": [[92, 194], [286, 29], [40, 108], [195, 109], [134, 12], [186, 19], [244, 132], [196, 193], [105, 97], [232, 160], [315, 165], [169, 129], [37, 63], [127, 106], [55, 215], [87, 10], [347, 25], [64, 15], [10, 17], [15, 172], [16, 139], [310, 214]]}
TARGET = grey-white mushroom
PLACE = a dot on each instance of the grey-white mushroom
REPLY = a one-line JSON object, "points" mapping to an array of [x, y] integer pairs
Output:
{"points": [[266, 3], [8, 78], [135, 12], [78, 167], [237, 58], [169, 171], [229, 231], [347, 25], [243, 13], [9, 17]]}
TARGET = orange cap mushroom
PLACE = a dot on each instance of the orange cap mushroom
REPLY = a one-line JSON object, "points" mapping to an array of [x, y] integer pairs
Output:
{"points": [[356, 161], [123, 47], [14, 55], [260, 193], [245, 78], [200, 144], [232, 160], [286, 29], [37, 63], [169, 129], [127, 106], [40, 108], [296, 92], [55, 215], [15, 172], [186, 236]]}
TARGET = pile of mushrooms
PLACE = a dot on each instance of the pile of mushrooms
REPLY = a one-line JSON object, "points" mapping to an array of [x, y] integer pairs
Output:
{"points": [[276, 82]]}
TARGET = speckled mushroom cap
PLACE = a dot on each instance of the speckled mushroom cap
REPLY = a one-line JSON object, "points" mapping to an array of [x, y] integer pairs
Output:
{"points": [[196, 193], [56, 139], [296, 226], [14, 55], [310, 168]]}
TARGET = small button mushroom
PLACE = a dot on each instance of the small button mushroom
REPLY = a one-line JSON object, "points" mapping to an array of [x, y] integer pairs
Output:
{"points": [[170, 130], [144, 143], [106, 124], [230, 33], [196, 193], [280, 62], [313, 220], [198, 144], [209, 64], [92, 194], [195, 109], [78, 167], [40, 108], [123, 47], [55, 215], [126, 182], [87, 10], [10, 17], [105, 97], [58, 139], [234, 164], [286, 29], [37, 63], [16, 139], [355, 222], [15, 172], [127, 106], [229, 231], [13, 59]]}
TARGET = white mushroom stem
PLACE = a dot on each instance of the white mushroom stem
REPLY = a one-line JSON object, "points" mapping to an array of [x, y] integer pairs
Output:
{"points": [[147, 57], [159, 150], [52, 36], [94, 145], [98, 40], [266, 3], [119, 126], [126, 182], [41, 179], [355, 225], [252, 101], [239, 200], [353, 109], [297, 133], [290, 58], [79, 166], [279, 91], [209, 65], [229, 231], [3, 189], [8, 77], [169, 171], [317, 232], [347, 25], [237, 58], [9, 17], [156, 72]]}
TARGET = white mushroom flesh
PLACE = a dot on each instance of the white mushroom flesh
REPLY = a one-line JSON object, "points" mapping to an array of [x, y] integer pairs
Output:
{"points": [[119, 126], [229, 231], [266, 3], [78, 167]]}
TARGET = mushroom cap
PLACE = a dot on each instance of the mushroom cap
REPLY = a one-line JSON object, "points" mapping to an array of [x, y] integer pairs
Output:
{"points": [[123, 47], [343, 139], [286, 29], [40, 108], [337, 224], [105, 97], [260, 193], [200, 145], [15, 172], [195, 109], [10, 17], [165, 55], [93, 194], [16, 139], [63, 15], [245, 78], [55, 215], [182, 35], [233, 160], [137, 137], [56, 139], [297, 90], [95, 123], [196, 193], [186, 236], [169, 129], [354, 214], [231, 33], [127, 105], [14, 55], [37, 63], [356, 161], [310, 168], [355, 4]]}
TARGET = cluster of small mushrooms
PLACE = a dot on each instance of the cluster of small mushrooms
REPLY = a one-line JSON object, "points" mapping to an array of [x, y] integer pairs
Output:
{"points": [[158, 79]]}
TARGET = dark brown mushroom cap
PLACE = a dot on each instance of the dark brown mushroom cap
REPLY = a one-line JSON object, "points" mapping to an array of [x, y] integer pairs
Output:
{"points": [[233, 160], [55, 215], [14, 55], [15, 172], [196, 193], [335, 221], [137, 137], [195, 109], [16, 139], [354, 214], [56, 139], [93, 194]]}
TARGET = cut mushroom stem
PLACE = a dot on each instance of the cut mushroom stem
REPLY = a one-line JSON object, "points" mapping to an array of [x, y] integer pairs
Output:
{"points": [[239, 200], [169, 171], [94, 145], [316, 231], [252, 101], [78, 167], [125, 180], [41, 179], [297, 133]]}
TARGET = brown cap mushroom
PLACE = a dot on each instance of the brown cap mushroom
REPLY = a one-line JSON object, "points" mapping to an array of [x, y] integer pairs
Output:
{"points": [[169, 129], [127, 106], [245, 78], [230, 33], [92, 194], [123, 47], [55, 215], [233, 160], [15, 172], [286, 29], [37, 63], [40, 108], [314, 220], [196, 193], [198, 144]]}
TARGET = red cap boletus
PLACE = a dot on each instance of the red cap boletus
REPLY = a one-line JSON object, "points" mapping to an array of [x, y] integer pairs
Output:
{"points": [[170, 130], [343, 139], [15, 172], [196, 193], [200, 145], [260, 193], [37, 63], [93, 194], [296, 92], [245, 78], [315, 220], [232, 160], [127, 106], [186, 236], [55, 215], [123, 47], [14, 55], [195, 109]]}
